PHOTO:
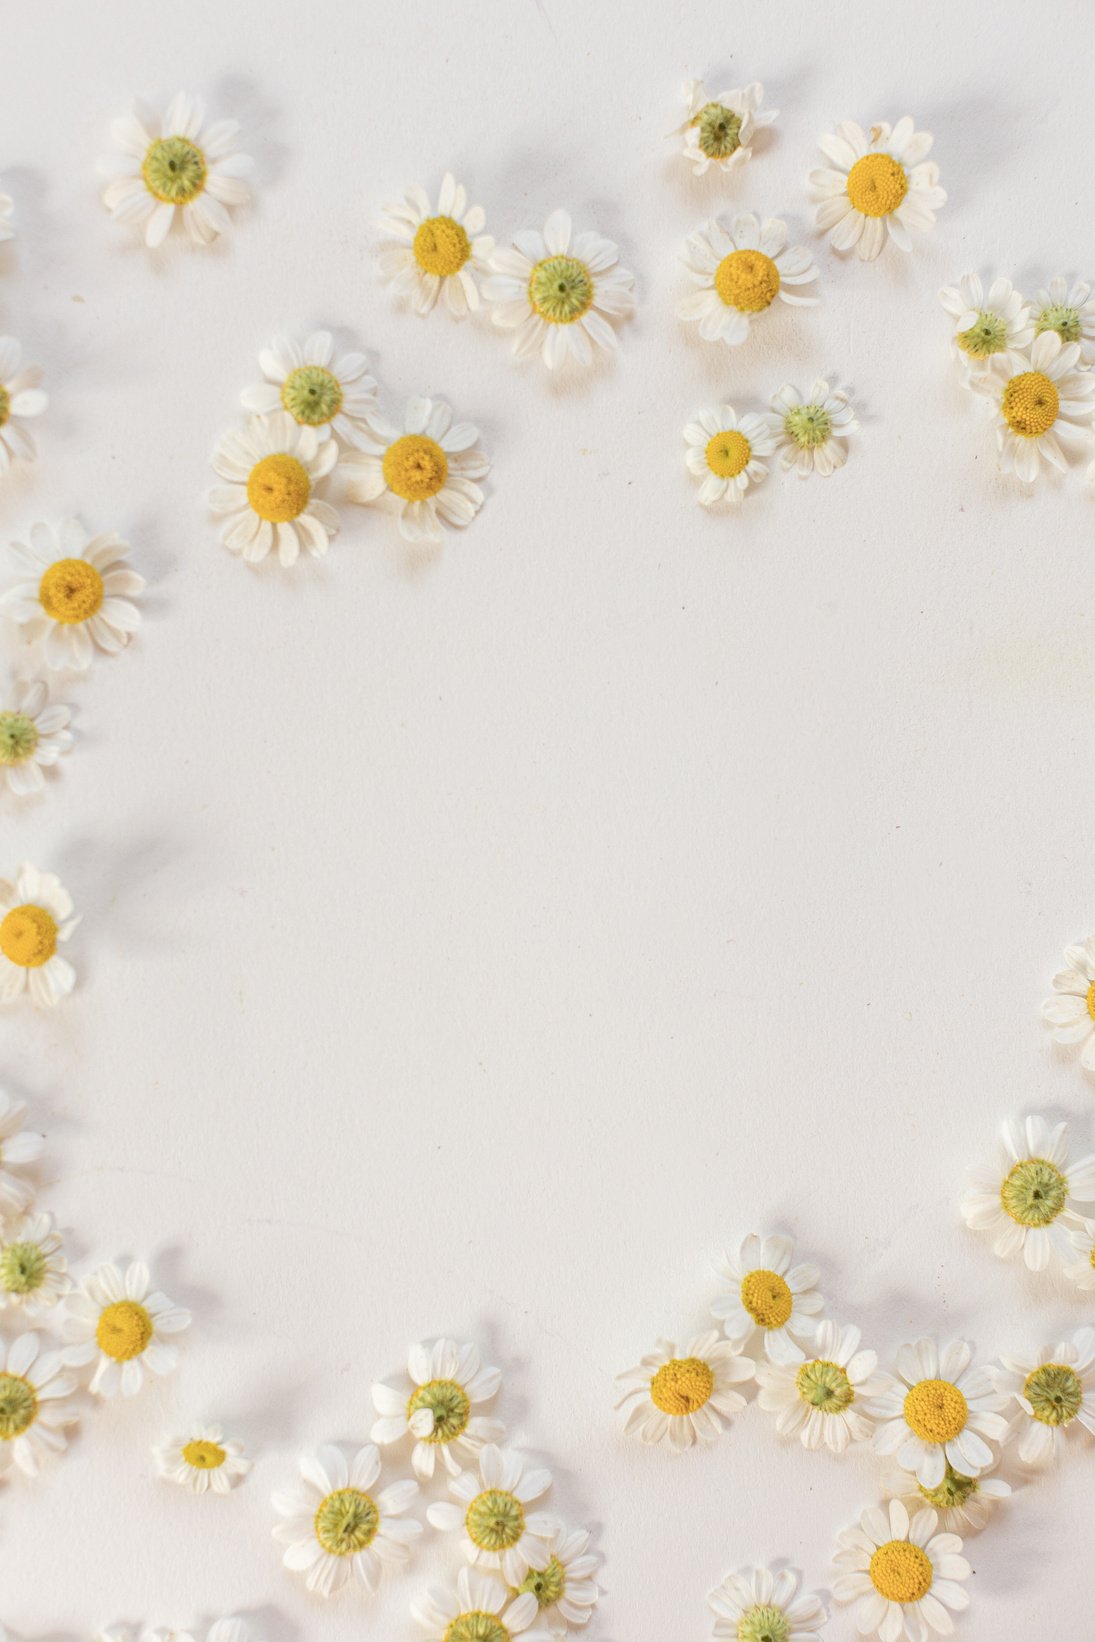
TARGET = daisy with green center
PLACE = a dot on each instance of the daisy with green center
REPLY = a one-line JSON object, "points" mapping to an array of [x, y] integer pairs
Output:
{"points": [[204, 1460], [904, 1578], [177, 164], [33, 735], [724, 452], [1068, 313], [559, 291], [566, 1590], [272, 470], [77, 593], [823, 1398], [1055, 1393], [424, 470], [448, 1381], [1040, 399], [764, 1292], [940, 1414], [740, 269], [36, 916], [1082, 1269], [34, 1409], [813, 430], [118, 1322], [18, 1148], [490, 1507], [765, 1605], [964, 1504], [318, 388], [986, 325], [21, 398], [1071, 1009], [427, 251], [33, 1270], [682, 1397], [719, 130], [337, 1523], [480, 1610], [1029, 1205], [876, 187]]}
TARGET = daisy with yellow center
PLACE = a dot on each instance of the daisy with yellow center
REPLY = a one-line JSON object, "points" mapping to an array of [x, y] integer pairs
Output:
{"points": [[940, 1413], [490, 1508], [724, 452], [428, 252], [1055, 1393], [336, 1523], [118, 1322], [1040, 400], [719, 130], [763, 1291], [272, 470], [904, 1578], [21, 398], [684, 1396], [316, 386], [34, 1410], [740, 269], [424, 470], [876, 187], [559, 291], [77, 593], [36, 917], [766, 1605], [33, 735], [1029, 1205], [812, 429], [33, 1271], [1070, 313], [985, 325], [481, 1609], [18, 1149], [204, 1460], [964, 1504], [1071, 1009], [448, 1381], [822, 1396], [177, 164]]}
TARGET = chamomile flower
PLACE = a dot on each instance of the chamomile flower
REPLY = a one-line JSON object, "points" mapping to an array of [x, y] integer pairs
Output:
{"points": [[1082, 1269], [566, 1591], [985, 325], [176, 164], [18, 1148], [904, 1577], [764, 1292], [740, 270], [318, 388], [490, 1506], [964, 1504], [1055, 1392], [272, 469], [823, 1397], [6, 229], [684, 1399], [33, 1270], [559, 290], [765, 1605], [1039, 400], [35, 918], [1029, 1205], [813, 430], [202, 1460], [1069, 313], [449, 1380], [876, 186], [1071, 1010], [116, 1321], [724, 452], [33, 735], [76, 592], [719, 130], [480, 1610], [430, 251], [939, 1413], [34, 1409], [21, 398], [337, 1523], [424, 470]]}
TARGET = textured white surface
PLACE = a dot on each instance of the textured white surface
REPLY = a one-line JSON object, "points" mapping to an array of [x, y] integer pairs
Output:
{"points": [[476, 942]]}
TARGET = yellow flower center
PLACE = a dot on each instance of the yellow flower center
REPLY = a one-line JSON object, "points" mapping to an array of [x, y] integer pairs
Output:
{"points": [[124, 1330], [278, 488], [728, 455], [441, 246], [1030, 404], [748, 281], [1091, 1000], [204, 1456], [28, 936], [682, 1385], [877, 185], [936, 1410], [346, 1521], [70, 591], [901, 1571], [5, 405], [18, 1406], [495, 1520], [764, 1294], [415, 467]]}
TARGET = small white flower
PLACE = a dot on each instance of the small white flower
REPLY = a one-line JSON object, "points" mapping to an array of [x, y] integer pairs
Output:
{"points": [[724, 451], [719, 130], [176, 164], [764, 1292], [765, 1603], [1071, 1010], [823, 1396], [903, 1577], [272, 469], [813, 430], [490, 1506], [429, 251], [449, 1380], [963, 1503], [317, 388], [18, 1147], [21, 397], [337, 1524], [425, 470], [1070, 313], [33, 735], [35, 917], [559, 290], [481, 1610], [1082, 1271], [741, 269], [203, 1460], [938, 1415], [566, 1590], [1029, 1205], [118, 1323], [1055, 1392], [998, 323], [33, 1270], [33, 1405], [77, 592], [880, 186], [1039, 400], [687, 1398]]}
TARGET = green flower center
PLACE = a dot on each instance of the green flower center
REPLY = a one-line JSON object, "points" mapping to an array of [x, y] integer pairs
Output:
{"points": [[477, 1627], [174, 170], [18, 1406], [22, 1268], [1034, 1192], [955, 1489], [764, 1624], [1065, 321], [311, 395], [5, 405], [824, 1386], [808, 425], [346, 1521], [718, 131], [546, 1584], [1055, 1393], [495, 1520], [560, 289], [18, 738], [449, 1405], [987, 335]]}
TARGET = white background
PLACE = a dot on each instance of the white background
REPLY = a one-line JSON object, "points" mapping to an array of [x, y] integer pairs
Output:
{"points": [[476, 942]]}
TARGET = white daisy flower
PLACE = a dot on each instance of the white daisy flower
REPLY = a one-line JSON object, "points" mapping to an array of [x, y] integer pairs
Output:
{"points": [[559, 290], [938, 1414], [719, 130], [490, 1506], [272, 469], [1029, 1207], [566, 1590], [430, 251], [449, 1380], [35, 917], [21, 397], [33, 1405], [684, 1399], [764, 1292], [985, 325], [812, 430], [1055, 1391], [117, 1322], [880, 186], [1082, 1270], [6, 229], [318, 388], [202, 1460], [176, 164], [1071, 1011], [964, 1504], [740, 270], [18, 1147], [481, 1610], [424, 470], [724, 452], [33, 1270], [903, 1577], [823, 1397], [1069, 313], [79, 593], [764, 1605], [337, 1523], [33, 735], [1039, 399]]}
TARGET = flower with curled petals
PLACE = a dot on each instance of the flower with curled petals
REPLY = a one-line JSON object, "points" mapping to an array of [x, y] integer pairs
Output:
{"points": [[940, 1413], [740, 270], [876, 187], [559, 290], [272, 470], [448, 1381], [490, 1506], [719, 130], [337, 1523], [424, 471], [428, 252], [904, 1577], [765, 1605], [176, 164], [566, 1591]]}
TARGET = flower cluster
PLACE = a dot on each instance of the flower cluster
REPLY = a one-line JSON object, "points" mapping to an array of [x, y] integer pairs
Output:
{"points": [[726, 451]]}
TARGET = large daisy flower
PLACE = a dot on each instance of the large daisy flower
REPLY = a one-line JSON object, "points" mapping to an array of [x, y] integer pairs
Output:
{"points": [[812, 430], [176, 164], [724, 451], [903, 1576], [741, 269], [33, 1270], [21, 397], [823, 1398], [1055, 1393], [35, 918], [1071, 1010], [448, 1381], [688, 1398], [719, 130], [1039, 399], [480, 1610], [33, 1406], [116, 1321], [337, 1523], [881, 185], [18, 1147], [1029, 1206], [317, 387], [939, 1413], [33, 735], [566, 1591], [1070, 313], [764, 1292], [490, 1505], [985, 325], [272, 469], [964, 1503], [424, 470], [559, 290], [1082, 1269], [202, 1460], [430, 251], [765, 1603], [79, 593]]}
